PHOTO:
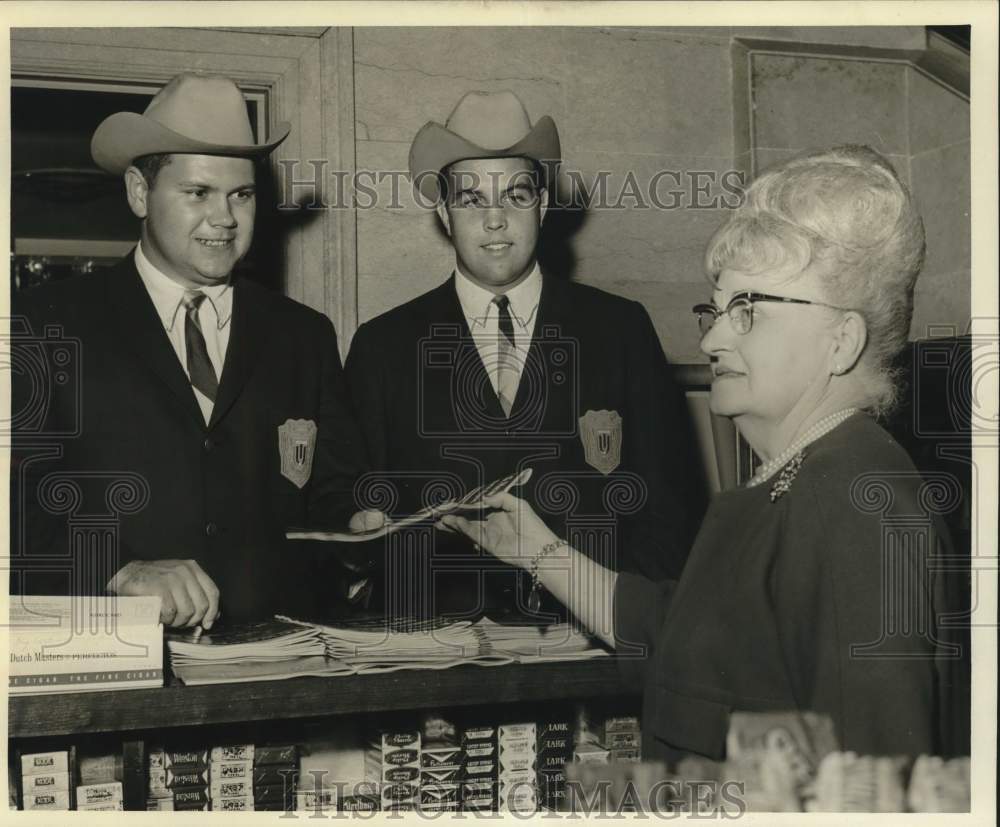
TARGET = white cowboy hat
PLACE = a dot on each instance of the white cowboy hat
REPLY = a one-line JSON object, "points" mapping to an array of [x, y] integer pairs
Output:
{"points": [[482, 125], [195, 114]]}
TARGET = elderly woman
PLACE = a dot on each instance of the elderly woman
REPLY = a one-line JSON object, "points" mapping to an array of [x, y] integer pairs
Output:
{"points": [[792, 598]]}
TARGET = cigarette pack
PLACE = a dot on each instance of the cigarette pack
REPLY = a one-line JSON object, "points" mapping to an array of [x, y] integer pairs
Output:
{"points": [[478, 733], [233, 752], [441, 775], [276, 754], [276, 775], [359, 803], [590, 754], [283, 805], [226, 804], [191, 806], [622, 740], [231, 770], [56, 800], [626, 756], [513, 732], [190, 795], [97, 769], [105, 807], [44, 763], [521, 799], [186, 759], [231, 789], [436, 755], [317, 801], [160, 803], [273, 792], [48, 783], [439, 796], [517, 762], [479, 768], [99, 793], [393, 794], [174, 778]]}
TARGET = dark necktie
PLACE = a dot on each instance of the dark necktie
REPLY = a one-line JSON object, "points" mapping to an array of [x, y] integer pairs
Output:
{"points": [[507, 367], [198, 364]]}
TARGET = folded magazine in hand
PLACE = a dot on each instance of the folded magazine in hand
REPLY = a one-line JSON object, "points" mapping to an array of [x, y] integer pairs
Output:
{"points": [[430, 514]]}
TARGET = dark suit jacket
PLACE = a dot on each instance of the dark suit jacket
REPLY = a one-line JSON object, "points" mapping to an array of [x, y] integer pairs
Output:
{"points": [[120, 424], [434, 427]]}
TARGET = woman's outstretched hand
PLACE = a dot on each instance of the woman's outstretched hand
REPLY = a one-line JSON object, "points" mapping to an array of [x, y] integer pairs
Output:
{"points": [[511, 530]]}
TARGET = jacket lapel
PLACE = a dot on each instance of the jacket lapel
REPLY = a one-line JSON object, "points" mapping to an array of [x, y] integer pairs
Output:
{"points": [[143, 334], [551, 314], [250, 329]]}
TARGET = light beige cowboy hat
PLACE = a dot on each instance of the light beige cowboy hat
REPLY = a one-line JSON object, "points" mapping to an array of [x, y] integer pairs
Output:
{"points": [[192, 114], [482, 125]]}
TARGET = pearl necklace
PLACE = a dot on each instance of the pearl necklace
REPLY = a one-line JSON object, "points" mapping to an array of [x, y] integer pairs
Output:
{"points": [[817, 430]]}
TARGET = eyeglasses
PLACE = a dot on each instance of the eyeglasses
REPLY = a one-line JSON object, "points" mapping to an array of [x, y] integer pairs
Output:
{"points": [[740, 310]]}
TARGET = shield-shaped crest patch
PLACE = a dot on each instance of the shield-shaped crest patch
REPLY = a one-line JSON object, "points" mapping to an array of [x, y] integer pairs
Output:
{"points": [[601, 434], [296, 444]]}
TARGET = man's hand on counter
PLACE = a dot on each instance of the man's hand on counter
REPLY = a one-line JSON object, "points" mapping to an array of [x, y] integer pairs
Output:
{"points": [[188, 597]]}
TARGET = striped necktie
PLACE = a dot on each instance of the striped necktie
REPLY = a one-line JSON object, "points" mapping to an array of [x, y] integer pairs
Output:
{"points": [[199, 366], [507, 372]]}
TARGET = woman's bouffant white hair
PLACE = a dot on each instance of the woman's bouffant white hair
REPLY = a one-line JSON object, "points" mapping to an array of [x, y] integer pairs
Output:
{"points": [[846, 209]]}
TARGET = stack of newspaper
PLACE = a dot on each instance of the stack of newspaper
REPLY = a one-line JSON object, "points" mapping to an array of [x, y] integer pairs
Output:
{"points": [[271, 650], [383, 646]]}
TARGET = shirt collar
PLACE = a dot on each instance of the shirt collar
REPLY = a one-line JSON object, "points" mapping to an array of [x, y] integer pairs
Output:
{"points": [[167, 293], [477, 302]]}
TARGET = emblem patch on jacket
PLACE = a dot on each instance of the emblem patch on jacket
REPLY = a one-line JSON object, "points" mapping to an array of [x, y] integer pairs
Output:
{"points": [[601, 434], [297, 443]]}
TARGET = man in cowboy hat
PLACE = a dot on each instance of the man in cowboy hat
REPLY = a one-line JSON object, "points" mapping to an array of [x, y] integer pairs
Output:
{"points": [[502, 367], [216, 409]]}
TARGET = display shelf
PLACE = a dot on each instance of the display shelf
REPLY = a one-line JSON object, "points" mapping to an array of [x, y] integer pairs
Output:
{"points": [[37, 716]]}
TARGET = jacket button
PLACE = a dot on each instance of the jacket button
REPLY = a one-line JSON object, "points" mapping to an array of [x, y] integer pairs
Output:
{"points": [[211, 529], [208, 445]]}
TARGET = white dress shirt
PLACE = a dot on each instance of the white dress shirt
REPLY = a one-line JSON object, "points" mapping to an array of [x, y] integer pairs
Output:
{"points": [[482, 314], [213, 314]]}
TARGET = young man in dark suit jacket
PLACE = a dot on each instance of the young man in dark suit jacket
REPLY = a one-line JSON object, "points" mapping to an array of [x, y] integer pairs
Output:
{"points": [[200, 416], [503, 368]]}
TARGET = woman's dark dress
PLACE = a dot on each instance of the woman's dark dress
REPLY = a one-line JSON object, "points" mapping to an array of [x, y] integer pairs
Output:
{"points": [[825, 600]]}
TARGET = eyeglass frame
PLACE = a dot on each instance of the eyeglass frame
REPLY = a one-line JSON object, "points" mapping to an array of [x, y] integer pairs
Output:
{"points": [[748, 297]]}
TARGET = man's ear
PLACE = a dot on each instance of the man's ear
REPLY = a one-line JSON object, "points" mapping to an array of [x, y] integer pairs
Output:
{"points": [[442, 212], [137, 192], [849, 342]]}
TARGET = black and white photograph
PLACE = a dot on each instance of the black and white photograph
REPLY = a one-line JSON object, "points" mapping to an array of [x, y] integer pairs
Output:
{"points": [[502, 410]]}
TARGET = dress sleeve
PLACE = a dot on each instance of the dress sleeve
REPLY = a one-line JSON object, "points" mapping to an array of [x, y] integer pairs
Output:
{"points": [[640, 607]]}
